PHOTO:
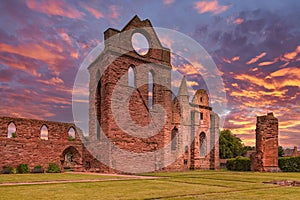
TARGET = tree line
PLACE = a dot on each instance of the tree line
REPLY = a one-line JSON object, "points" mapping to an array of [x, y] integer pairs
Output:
{"points": [[231, 146]]}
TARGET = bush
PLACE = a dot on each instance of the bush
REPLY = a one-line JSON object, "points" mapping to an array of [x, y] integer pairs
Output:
{"points": [[14, 135], [38, 169], [289, 164], [70, 138], [7, 170], [239, 164], [53, 168], [22, 169]]}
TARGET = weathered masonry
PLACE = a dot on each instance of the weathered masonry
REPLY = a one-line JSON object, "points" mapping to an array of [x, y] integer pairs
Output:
{"points": [[266, 157], [143, 81], [39, 142]]}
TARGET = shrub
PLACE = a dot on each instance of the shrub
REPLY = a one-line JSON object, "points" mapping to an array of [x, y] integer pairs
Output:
{"points": [[14, 135], [289, 164], [38, 169], [53, 168], [239, 164], [7, 170], [14, 171], [22, 169], [70, 138]]}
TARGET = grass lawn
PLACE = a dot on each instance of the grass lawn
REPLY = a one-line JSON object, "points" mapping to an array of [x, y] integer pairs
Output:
{"points": [[16, 178], [180, 185]]}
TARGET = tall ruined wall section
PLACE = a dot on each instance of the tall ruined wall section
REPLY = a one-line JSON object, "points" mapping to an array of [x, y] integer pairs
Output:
{"points": [[266, 156], [27, 146]]}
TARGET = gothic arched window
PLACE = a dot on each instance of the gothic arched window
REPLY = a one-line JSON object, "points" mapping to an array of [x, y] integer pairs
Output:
{"points": [[174, 137], [131, 76], [11, 130], [44, 132]]}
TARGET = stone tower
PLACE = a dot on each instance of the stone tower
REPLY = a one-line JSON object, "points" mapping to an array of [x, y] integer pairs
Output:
{"points": [[128, 91], [266, 156]]}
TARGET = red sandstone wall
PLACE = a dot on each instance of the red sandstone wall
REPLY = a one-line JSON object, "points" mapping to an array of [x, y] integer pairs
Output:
{"points": [[29, 148]]}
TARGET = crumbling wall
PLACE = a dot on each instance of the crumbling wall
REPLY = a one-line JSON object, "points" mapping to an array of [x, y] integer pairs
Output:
{"points": [[28, 147], [266, 156]]}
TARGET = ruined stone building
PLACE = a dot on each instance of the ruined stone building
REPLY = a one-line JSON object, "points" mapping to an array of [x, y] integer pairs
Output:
{"points": [[265, 159], [39, 142], [122, 77], [131, 109]]}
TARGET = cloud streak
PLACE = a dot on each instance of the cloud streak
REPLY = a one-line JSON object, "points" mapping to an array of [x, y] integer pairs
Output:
{"points": [[210, 7]]}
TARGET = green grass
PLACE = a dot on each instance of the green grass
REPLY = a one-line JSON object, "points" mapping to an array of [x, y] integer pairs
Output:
{"points": [[180, 185], [16, 178]]}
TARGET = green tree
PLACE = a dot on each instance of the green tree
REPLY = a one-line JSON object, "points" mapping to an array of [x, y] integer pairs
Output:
{"points": [[230, 145], [280, 151]]}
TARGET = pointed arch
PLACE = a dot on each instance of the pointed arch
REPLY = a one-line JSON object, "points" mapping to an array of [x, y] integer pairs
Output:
{"points": [[150, 88], [202, 146], [11, 130], [131, 76], [72, 132], [174, 138], [44, 134]]}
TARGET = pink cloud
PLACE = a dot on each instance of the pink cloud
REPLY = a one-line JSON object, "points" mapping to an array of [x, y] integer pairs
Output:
{"points": [[52, 7], [210, 6], [168, 2]]}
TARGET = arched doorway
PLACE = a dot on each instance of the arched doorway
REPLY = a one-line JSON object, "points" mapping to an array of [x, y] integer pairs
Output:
{"points": [[71, 159]]}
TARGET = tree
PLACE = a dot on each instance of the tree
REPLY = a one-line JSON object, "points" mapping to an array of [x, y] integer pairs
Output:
{"points": [[280, 151], [230, 145]]}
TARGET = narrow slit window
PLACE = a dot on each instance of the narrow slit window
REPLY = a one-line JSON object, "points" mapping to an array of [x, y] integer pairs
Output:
{"points": [[131, 77], [150, 89]]}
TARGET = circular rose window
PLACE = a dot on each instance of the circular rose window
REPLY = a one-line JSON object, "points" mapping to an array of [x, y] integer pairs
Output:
{"points": [[140, 44]]}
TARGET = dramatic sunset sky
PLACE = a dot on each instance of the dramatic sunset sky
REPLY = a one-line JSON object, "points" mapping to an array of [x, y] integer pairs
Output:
{"points": [[255, 45]]}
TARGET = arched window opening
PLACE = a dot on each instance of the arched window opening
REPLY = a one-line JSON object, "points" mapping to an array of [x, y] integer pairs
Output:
{"points": [[44, 132], [174, 136], [11, 130], [202, 141], [71, 133], [131, 76], [150, 89]]}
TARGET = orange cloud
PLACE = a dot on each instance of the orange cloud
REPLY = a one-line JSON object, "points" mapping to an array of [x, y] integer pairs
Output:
{"points": [[52, 7], [52, 81], [210, 6], [266, 63], [94, 12], [292, 55], [35, 51], [20, 66], [54, 46], [255, 80], [236, 58], [238, 21], [66, 38], [256, 58], [227, 60], [168, 2]]}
